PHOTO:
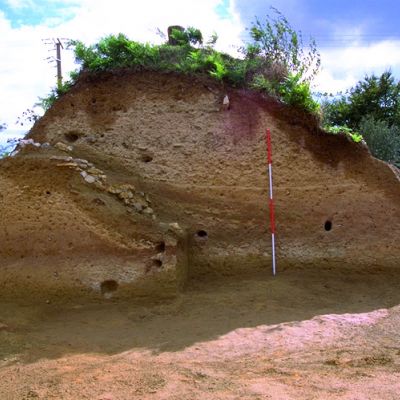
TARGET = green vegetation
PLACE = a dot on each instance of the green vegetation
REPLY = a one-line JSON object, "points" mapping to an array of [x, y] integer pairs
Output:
{"points": [[189, 36], [372, 108], [382, 139], [274, 61], [344, 130], [296, 92], [48, 101], [276, 43], [374, 96]]}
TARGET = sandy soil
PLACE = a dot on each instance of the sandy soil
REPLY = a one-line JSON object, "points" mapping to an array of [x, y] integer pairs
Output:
{"points": [[306, 334]]}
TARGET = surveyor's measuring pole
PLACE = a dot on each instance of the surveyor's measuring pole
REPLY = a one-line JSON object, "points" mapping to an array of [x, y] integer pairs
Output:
{"points": [[271, 198]]}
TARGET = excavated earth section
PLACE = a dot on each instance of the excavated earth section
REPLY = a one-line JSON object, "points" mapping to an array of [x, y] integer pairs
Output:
{"points": [[135, 257], [138, 162]]}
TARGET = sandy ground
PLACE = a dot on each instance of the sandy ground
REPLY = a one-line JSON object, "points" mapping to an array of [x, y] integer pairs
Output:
{"points": [[305, 334]]}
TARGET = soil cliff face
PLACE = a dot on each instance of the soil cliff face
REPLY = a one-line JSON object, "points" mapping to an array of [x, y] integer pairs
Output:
{"points": [[150, 181]]}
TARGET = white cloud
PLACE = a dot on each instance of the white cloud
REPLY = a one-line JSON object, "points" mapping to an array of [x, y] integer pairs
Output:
{"points": [[344, 67], [25, 75], [325, 82]]}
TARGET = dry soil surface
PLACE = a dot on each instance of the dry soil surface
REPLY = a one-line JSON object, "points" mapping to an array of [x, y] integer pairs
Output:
{"points": [[305, 334]]}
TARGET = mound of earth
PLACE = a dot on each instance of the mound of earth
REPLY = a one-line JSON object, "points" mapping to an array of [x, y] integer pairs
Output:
{"points": [[135, 256], [139, 182]]}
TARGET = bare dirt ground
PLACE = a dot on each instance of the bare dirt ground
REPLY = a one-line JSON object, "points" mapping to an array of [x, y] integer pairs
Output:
{"points": [[306, 334]]}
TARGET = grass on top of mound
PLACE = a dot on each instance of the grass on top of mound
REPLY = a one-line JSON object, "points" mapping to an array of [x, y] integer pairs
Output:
{"points": [[273, 62]]}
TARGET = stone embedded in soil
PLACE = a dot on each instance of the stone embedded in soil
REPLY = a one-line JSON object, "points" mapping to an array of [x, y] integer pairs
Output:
{"points": [[137, 206], [175, 228], [125, 195], [114, 189], [95, 171], [69, 165], [90, 179], [63, 147], [62, 158], [225, 103], [99, 185]]}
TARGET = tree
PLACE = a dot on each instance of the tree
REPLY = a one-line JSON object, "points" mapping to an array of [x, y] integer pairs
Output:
{"points": [[3, 126], [377, 97], [372, 108], [383, 140]]}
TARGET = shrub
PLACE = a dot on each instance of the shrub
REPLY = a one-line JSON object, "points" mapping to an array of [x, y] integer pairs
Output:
{"points": [[383, 140], [344, 130], [114, 52], [189, 36], [274, 62], [277, 43], [48, 101], [297, 93]]}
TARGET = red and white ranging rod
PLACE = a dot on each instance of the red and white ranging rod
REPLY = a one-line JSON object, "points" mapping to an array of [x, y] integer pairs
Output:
{"points": [[271, 198]]}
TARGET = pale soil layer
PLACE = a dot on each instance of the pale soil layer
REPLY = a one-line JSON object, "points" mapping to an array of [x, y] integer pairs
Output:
{"points": [[306, 334]]}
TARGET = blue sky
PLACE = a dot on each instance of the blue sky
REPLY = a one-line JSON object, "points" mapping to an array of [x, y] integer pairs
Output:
{"points": [[322, 18], [354, 37], [34, 13]]}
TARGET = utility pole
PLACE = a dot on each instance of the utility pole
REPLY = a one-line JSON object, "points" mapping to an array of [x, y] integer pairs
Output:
{"points": [[58, 46]]}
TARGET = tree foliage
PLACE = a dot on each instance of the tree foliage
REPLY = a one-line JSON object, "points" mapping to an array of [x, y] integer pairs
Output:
{"points": [[378, 97], [274, 61], [382, 139], [189, 36], [372, 107]]}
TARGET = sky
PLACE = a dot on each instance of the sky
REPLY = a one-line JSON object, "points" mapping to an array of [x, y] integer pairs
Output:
{"points": [[354, 37]]}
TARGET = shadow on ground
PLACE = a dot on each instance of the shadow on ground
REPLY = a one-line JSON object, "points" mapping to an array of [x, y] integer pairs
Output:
{"points": [[205, 311]]}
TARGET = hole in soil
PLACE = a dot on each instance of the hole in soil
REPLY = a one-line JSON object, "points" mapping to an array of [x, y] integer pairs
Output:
{"points": [[202, 234], [98, 201], [157, 263], [146, 158], [108, 286], [48, 192], [328, 225], [71, 137], [160, 247]]}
